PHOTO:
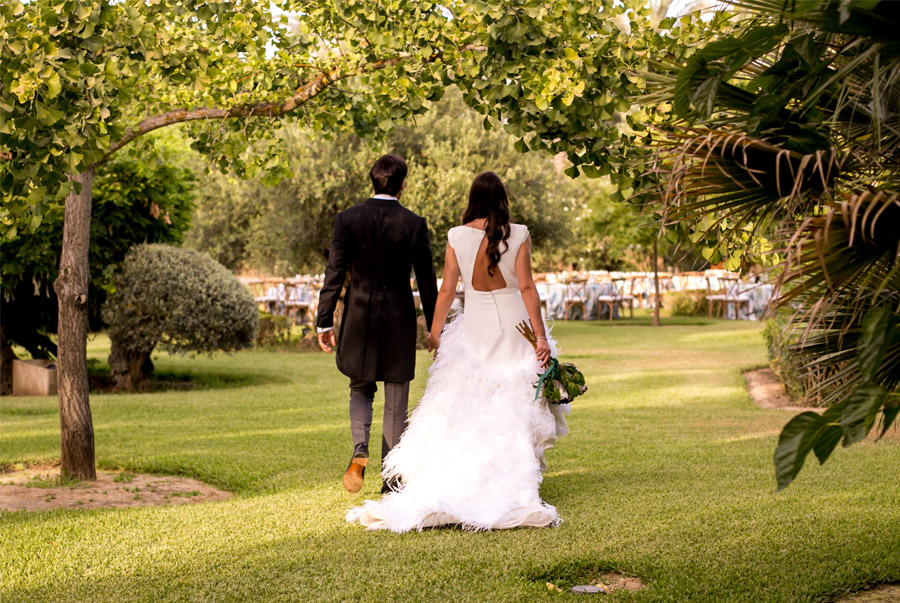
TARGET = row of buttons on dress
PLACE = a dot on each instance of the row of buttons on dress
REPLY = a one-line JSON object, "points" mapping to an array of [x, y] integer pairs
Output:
{"points": [[497, 310]]}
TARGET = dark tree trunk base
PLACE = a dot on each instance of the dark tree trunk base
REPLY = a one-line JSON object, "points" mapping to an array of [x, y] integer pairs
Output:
{"points": [[128, 369], [6, 364]]}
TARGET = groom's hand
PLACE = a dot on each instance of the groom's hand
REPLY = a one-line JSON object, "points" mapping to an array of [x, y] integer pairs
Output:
{"points": [[326, 340]]}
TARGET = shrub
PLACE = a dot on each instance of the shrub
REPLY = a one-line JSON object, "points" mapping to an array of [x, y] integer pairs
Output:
{"points": [[780, 358], [176, 299], [273, 330], [808, 385], [687, 303]]}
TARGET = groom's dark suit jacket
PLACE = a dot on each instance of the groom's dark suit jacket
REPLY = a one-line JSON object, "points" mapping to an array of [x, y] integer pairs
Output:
{"points": [[378, 242]]}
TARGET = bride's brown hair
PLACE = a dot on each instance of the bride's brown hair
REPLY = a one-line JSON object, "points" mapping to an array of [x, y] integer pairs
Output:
{"points": [[487, 199]]}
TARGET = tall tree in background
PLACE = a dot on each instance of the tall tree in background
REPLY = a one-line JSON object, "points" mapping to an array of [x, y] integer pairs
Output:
{"points": [[285, 228]]}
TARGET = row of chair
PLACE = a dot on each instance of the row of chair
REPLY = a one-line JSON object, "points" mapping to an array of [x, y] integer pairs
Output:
{"points": [[576, 296]]}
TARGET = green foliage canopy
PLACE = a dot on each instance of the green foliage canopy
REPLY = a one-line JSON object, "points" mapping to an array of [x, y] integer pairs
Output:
{"points": [[80, 79]]}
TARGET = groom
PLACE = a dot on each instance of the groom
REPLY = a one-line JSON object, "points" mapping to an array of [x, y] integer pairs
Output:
{"points": [[377, 241]]}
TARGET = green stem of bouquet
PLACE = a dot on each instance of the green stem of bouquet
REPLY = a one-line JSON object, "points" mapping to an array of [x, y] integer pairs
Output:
{"points": [[549, 373]]}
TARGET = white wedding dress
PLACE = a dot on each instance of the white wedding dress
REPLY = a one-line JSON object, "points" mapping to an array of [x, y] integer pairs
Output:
{"points": [[473, 452]]}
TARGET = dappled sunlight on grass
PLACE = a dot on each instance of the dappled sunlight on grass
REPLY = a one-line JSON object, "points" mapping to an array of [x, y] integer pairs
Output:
{"points": [[749, 436]]}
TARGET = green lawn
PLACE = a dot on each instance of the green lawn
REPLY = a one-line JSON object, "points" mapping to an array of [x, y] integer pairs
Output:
{"points": [[667, 475]]}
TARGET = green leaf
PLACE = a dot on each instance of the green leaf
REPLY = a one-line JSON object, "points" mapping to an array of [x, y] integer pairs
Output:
{"points": [[860, 410], [53, 86], [591, 171], [571, 171], [47, 115], [794, 444], [827, 442]]}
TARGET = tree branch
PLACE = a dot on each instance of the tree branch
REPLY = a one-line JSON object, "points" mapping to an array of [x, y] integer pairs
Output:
{"points": [[270, 109]]}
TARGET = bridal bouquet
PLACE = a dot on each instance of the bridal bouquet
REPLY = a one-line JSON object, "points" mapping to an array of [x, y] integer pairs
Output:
{"points": [[562, 382]]}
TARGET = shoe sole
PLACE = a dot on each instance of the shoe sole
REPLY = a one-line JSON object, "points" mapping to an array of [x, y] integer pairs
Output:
{"points": [[353, 481]]}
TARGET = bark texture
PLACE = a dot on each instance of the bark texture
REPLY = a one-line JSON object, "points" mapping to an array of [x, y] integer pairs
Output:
{"points": [[129, 369], [76, 427]]}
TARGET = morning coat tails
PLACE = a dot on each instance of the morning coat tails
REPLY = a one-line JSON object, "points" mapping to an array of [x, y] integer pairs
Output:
{"points": [[378, 242]]}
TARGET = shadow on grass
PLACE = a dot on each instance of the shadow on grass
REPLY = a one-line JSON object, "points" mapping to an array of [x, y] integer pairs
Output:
{"points": [[643, 317], [27, 410], [162, 380], [647, 321]]}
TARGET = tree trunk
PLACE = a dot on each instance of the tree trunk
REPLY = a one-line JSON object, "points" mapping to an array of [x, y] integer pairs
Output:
{"points": [[6, 364], [76, 427], [656, 303], [128, 369]]}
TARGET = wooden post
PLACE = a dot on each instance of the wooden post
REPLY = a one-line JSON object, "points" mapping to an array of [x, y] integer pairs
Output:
{"points": [[76, 428]]}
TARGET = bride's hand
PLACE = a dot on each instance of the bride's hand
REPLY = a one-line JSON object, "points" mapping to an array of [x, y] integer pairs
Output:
{"points": [[433, 343], [542, 351]]}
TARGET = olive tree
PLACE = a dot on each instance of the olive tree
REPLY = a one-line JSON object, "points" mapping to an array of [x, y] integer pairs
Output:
{"points": [[179, 300]]}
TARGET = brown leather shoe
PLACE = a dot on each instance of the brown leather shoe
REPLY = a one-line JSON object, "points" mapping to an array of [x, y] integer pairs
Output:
{"points": [[356, 471]]}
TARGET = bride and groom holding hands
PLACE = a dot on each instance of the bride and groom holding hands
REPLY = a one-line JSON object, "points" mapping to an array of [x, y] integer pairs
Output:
{"points": [[473, 451]]}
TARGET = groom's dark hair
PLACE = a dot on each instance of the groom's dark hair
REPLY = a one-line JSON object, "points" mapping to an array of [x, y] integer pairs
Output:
{"points": [[388, 174]]}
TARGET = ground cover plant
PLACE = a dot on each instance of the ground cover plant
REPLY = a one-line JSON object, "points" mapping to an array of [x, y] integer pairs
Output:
{"points": [[667, 475]]}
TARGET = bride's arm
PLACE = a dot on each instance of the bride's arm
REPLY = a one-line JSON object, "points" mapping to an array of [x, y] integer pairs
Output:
{"points": [[531, 299], [445, 297]]}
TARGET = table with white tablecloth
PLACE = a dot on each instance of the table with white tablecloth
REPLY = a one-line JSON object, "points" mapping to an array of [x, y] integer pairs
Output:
{"points": [[747, 301], [296, 298], [553, 297]]}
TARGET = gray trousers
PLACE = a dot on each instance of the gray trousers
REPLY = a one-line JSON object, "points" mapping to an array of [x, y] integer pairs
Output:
{"points": [[396, 402]]}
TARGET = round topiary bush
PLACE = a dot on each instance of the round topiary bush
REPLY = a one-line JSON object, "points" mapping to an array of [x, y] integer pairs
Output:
{"points": [[178, 300]]}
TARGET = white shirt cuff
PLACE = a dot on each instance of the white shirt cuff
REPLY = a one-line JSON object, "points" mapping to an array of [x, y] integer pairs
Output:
{"points": [[324, 329]]}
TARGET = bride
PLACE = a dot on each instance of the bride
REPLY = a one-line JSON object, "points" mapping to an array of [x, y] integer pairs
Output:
{"points": [[473, 453]]}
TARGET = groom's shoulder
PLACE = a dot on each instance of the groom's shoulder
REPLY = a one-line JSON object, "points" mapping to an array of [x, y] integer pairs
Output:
{"points": [[413, 214], [363, 210]]}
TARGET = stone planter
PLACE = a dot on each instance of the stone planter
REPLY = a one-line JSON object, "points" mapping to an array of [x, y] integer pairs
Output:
{"points": [[33, 378]]}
